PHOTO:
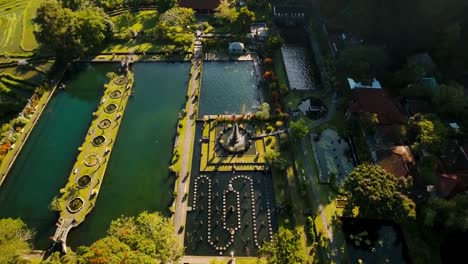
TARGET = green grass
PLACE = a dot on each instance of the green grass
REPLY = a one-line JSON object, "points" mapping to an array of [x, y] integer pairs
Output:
{"points": [[137, 21], [280, 70], [135, 47], [16, 27]]}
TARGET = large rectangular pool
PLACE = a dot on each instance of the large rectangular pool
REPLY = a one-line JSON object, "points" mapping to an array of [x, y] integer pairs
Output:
{"points": [[228, 88]]}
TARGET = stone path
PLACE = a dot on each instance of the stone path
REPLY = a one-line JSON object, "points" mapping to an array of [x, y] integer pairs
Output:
{"points": [[180, 214], [203, 259], [320, 208]]}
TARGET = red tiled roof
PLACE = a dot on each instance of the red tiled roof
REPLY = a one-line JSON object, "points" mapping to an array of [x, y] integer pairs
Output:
{"points": [[376, 101], [200, 4], [394, 164], [448, 184], [396, 160]]}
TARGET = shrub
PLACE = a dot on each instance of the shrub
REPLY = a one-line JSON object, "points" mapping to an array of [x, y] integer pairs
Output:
{"points": [[310, 229]]}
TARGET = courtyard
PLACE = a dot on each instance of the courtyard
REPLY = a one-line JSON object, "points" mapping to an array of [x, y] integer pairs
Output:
{"points": [[230, 212]]}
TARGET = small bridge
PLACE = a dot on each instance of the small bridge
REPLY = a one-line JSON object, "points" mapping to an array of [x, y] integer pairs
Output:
{"points": [[63, 227], [289, 15]]}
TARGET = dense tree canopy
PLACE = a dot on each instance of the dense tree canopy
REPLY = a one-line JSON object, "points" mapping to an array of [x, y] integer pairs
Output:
{"points": [[245, 18], [274, 159], [14, 238], [299, 129], [405, 27], [226, 12], [450, 100], [71, 34], [447, 214], [378, 194], [263, 112], [179, 17], [285, 248], [427, 132], [144, 239], [162, 5], [362, 63]]}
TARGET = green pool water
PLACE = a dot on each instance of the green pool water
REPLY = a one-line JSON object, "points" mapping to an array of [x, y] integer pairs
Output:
{"points": [[228, 88], [137, 175], [45, 162]]}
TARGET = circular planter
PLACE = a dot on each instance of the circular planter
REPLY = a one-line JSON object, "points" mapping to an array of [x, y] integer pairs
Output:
{"points": [[106, 123], [116, 94], [75, 205], [91, 160], [110, 108], [83, 181], [98, 141], [120, 81]]}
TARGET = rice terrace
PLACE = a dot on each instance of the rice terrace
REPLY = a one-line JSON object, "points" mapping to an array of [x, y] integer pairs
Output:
{"points": [[228, 131], [16, 26]]}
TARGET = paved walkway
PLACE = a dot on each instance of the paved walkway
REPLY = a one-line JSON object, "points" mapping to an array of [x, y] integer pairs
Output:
{"points": [[203, 259], [180, 214], [318, 203]]}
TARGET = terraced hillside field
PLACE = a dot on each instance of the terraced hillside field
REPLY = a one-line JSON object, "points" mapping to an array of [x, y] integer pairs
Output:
{"points": [[16, 27]]}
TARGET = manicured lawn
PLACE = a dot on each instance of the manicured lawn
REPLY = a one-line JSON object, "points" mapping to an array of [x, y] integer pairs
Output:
{"points": [[136, 21], [135, 47]]}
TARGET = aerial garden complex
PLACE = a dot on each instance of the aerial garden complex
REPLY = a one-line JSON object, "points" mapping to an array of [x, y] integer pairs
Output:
{"points": [[165, 131]]}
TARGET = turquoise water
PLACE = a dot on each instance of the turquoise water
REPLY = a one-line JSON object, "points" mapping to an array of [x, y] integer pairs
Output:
{"points": [[137, 175], [43, 166], [228, 88]]}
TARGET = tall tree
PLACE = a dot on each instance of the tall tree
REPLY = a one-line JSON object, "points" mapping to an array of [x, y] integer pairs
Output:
{"points": [[427, 132], [450, 100], [285, 248], [378, 194], [178, 16], [245, 18], [362, 63], [448, 215], [71, 34], [71, 4], [225, 12], [299, 129], [14, 238], [144, 239]]}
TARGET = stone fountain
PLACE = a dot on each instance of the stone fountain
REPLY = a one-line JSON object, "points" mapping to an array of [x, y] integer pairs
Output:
{"points": [[235, 139]]}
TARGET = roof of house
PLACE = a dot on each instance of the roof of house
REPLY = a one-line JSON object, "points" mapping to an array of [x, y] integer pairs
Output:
{"points": [[200, 4], [377, 101], [374, 85], [236, 46], [396, 160], [449, 184], [429, 83], [455, 158], [388, 134]]}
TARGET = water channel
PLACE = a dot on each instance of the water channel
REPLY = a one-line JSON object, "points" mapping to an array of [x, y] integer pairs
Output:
{"points": [[137, 179], [137, 175], [45, 162], [298, 59]]}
